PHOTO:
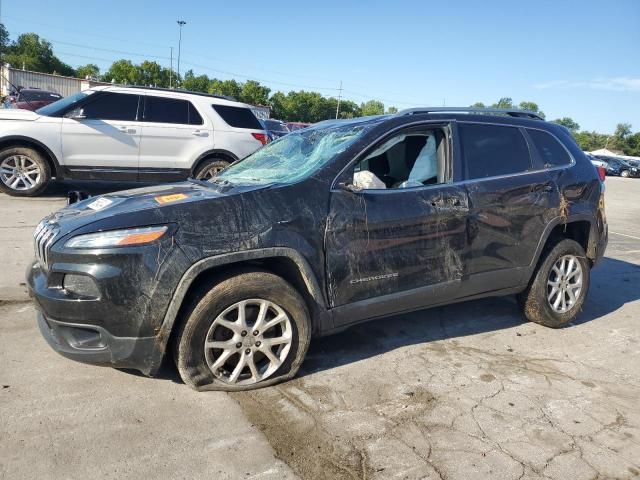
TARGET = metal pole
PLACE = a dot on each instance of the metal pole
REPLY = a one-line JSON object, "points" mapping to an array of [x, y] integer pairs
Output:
{"points": [[171, 67], [180, 23], [339, 96]]}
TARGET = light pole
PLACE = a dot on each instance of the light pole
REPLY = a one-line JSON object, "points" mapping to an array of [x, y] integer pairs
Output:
{"points": [[180, 24]]}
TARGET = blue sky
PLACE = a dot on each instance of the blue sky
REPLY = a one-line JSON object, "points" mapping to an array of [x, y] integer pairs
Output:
{"points": [[574, 58]]}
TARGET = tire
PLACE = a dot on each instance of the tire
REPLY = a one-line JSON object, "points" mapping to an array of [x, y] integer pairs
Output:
{"points": [[210, 320], [23, 172], [624, 173], [538, 301], [209, 168]]}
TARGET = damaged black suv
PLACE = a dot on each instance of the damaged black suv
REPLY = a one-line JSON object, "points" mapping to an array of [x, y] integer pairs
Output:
{"points": [[324, 228]]}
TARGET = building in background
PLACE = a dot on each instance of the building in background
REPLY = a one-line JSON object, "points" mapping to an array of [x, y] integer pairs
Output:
{"points": [[45, 81]]}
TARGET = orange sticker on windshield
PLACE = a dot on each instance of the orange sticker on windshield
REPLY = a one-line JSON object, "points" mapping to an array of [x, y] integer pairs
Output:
{"points": [[170, 198]]}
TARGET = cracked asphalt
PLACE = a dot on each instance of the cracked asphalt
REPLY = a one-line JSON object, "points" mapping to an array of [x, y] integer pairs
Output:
{"points": [[465, 391]]}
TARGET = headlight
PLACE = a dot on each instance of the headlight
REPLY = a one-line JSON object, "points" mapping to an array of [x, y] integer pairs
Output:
{"points": [[117, 238]]}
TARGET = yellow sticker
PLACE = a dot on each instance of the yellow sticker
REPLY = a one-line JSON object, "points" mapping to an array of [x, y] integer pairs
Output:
{"points": [[170, 198]]}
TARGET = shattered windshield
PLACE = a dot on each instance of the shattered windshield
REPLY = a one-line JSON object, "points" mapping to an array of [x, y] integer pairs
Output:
{"points": [[295, 156]]}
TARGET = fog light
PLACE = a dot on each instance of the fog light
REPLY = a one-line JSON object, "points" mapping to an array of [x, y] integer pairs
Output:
{"points": [[80, 285]]}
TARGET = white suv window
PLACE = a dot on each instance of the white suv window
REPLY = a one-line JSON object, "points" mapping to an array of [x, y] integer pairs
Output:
{"points": [[112, 106], [170, 110]]}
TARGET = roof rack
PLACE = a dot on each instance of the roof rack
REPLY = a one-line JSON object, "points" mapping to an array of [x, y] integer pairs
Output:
{"points": [[481, 111], [176, 90]]}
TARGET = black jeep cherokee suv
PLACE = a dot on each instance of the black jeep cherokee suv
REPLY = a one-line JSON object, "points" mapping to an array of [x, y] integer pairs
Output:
{"points": [[327, 227]]}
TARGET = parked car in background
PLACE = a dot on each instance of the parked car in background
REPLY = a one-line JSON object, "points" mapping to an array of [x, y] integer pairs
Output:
{"points": [[330, 226], [31, 98], [274, 128], [124, 133], [293, 126], [596, 161], [619, 167]]}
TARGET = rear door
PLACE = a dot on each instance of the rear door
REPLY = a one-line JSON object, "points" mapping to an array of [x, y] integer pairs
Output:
{"points": [[511, 201], [397, 247], [239, 132], [101, 140], [174, 134]]}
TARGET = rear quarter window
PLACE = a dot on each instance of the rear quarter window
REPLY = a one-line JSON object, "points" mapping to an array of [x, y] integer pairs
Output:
{"points": [[493, 150], [551, 152], [238, 117]]}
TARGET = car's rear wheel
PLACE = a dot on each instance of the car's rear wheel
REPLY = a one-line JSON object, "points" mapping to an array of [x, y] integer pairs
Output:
{"points": [[248, 331], [23, 172], [209, 168], [559, 287], [624, 173]]}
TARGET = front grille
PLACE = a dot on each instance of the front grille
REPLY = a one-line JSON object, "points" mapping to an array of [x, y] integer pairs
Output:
{"points": [[43, 238]]}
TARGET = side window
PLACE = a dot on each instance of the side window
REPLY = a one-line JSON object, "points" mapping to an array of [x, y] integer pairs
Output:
{"points": [[166, 110], [238, 117], [112, 106], [194, 116], [551, 152], [409, 159], [492, 150]]}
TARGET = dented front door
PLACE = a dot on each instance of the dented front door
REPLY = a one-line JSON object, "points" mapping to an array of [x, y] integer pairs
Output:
{"points": [[381, 242]]}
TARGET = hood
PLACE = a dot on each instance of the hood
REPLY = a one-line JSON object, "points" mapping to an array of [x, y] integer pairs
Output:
{"points": [[148, 205], [18, 114]]}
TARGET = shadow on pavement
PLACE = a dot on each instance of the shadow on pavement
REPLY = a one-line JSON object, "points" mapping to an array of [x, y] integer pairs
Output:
{"points": [[613, 284]]}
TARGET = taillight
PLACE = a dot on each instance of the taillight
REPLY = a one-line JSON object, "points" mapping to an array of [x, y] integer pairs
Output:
{"points": [[602, 173], [261, 137]]}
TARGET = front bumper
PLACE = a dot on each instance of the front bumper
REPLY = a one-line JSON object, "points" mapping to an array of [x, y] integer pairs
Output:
{"points": [[95, 345]]}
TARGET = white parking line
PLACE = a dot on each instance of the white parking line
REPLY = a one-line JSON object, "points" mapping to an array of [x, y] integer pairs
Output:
{"points": [[625, 235]]}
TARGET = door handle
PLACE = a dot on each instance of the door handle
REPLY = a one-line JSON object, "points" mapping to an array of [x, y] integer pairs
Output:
{"points": [[128, 130], [200, 133]]}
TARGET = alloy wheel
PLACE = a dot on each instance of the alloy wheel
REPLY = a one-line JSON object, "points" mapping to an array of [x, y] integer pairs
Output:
{"points": [[564, 284], [210, 172], [19, 172], [248, 342]]}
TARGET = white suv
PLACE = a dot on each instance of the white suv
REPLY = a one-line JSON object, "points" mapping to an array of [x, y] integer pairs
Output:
{"points": [[124, 133]]}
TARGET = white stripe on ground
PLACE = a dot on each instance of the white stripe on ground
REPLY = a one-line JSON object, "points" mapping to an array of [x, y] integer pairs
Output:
{"points": [[625, 235]]}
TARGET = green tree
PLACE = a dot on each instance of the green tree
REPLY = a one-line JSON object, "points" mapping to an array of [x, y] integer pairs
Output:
{"points": [[4, 41], [90, 70], [568, 122], [153, 74], [36, 54], [392, 110], [122, 71], [504, 102], [478, 105], [254, 94], [623, 130], [531, 107], [372, 107], [228, 88], [195, 83]]}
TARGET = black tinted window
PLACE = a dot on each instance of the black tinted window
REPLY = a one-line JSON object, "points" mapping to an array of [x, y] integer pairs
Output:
{"points": [[32, 96], [238, 117], [166, 110], [491, 150], [194, 116], [551, 152], [112, 106]]}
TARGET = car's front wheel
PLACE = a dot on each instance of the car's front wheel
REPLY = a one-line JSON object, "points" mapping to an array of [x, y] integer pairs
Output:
{"points": [[559, 287], [23, 172], [624, 173], [248, 331]]}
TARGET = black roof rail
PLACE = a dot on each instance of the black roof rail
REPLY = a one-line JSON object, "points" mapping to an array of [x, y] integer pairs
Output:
{"points": [[478, 110], [176, 90]]}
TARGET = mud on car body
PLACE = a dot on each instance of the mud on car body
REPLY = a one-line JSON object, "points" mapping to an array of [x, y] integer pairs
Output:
{"points": [[322, 229]]}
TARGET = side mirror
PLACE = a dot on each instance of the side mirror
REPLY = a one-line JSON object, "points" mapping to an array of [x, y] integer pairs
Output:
{"points": [[77, 114]]}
